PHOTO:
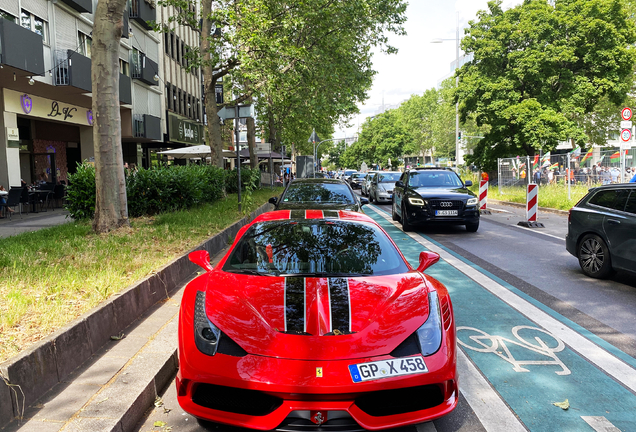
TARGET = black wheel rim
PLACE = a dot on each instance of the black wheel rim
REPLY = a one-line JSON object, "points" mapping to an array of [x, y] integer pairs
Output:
{"points": [[592, 255]]}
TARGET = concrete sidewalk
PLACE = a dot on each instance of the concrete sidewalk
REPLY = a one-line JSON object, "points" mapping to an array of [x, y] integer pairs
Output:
{"points": [[32, 221]]}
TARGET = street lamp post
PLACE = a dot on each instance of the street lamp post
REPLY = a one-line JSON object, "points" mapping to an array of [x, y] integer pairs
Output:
{"points": [[312, 139], [457, 140]]}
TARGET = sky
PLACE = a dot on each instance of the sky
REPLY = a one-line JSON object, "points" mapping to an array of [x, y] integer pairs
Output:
{"points": [[419, 64]]}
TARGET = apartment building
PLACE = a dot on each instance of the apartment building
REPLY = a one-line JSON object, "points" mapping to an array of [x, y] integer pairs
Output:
{"points": [[45, 87]]}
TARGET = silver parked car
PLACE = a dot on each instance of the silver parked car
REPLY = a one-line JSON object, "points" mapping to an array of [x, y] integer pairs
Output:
{"points": [[382, 186], [366, 185]]}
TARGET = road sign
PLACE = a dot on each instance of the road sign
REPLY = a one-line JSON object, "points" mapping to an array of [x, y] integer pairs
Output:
{"points": [[626, 135], [626, 113], [626, 124]]}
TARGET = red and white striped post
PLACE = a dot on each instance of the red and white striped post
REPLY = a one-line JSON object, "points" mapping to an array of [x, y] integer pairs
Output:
{"points": [[531, 202], [483, 194]]}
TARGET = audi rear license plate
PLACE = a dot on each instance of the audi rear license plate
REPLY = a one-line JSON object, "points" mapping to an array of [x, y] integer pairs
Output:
{"points": [[446, 213], [387, 368]]}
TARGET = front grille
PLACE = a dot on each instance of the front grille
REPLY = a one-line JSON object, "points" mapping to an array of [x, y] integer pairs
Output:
{"points": [[235, 400], [400, 401], [455, 204], [228, 347]]}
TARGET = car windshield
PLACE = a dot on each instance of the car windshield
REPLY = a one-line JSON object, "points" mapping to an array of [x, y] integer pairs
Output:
{"points": [[349, 172], [336, 193], [388, 177], [434, 179], [315, 247], [358, 175]]}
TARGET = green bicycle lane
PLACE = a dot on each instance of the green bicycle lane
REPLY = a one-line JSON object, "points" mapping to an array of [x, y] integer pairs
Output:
{"points": [[531, 356]]}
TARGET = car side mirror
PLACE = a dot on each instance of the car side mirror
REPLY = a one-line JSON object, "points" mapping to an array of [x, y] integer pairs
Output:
{"points": [[468, 183], [273, 200], [427, 259], [399, 183], [363, 201], [202, 259]]}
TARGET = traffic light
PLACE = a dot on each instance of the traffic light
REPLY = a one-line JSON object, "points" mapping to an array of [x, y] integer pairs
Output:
{"points": [[460, 136]]}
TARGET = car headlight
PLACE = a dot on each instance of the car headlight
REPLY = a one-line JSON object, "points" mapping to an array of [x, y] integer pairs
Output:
{"points": [[417, 201], [430, 334], [472, 201], [206, 334]]}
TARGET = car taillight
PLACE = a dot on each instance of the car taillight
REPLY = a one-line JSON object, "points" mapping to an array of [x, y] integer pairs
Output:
{"points": [[569, 215]]}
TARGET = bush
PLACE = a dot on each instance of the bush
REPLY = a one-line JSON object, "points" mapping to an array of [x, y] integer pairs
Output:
{"points": [[160, 189], [80, 192]]}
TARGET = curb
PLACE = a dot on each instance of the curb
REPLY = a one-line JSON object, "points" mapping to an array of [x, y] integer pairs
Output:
{"points": [[520, 205], [50, 361]]}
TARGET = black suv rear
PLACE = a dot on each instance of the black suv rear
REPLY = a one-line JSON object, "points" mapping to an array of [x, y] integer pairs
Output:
{"points": [[434, 196]]}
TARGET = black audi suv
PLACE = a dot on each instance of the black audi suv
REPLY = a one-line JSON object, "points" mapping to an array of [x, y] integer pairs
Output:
{"points": [[425, 196]]}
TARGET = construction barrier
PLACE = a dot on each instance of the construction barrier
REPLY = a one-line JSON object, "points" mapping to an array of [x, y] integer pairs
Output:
{"points": [[483, 194], [532, 202]]}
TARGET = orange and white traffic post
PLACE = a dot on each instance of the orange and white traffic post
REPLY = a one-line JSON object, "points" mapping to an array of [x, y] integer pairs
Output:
{"points": [[532, 205]]}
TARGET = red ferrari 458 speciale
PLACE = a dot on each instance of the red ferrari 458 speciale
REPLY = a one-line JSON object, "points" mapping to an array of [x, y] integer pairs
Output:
{"points": [[314, 318]]}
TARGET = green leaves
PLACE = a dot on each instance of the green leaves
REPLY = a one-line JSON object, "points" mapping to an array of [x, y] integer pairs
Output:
{"points": [[538, 69]]}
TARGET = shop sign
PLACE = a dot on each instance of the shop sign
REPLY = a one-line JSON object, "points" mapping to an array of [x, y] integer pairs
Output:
{"points": [[13, 137], [184, 131], [35, 106]]}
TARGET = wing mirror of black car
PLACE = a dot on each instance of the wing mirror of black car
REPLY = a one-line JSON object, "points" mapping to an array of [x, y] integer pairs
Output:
{"points": [[273, 200], [363, 201], [468, 183], [427, 259], [399, 183], [202, 259]]}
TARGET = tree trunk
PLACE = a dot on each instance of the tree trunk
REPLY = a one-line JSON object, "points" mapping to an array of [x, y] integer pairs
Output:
{"points": [[111, 208], [209, 82], [251, 142]]}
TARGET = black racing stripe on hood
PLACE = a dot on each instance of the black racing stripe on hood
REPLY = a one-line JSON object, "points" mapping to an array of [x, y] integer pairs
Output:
{"points": [[340, 305], [297, 214], [331, 213], [295, 304]]}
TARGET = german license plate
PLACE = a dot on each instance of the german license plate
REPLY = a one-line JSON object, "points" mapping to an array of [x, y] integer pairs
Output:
{"points": [[446, 213], [387, 369]]}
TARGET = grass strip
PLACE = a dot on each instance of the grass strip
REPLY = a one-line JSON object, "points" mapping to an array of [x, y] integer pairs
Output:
{"points": [[551, 196], [50, 277]]}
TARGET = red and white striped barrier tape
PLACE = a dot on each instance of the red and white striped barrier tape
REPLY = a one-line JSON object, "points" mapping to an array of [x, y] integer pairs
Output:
{"points": [[532, 202], [483, 194]]}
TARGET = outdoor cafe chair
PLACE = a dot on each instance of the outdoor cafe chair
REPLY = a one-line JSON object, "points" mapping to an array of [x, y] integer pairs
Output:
{"points": [[13, 200]]}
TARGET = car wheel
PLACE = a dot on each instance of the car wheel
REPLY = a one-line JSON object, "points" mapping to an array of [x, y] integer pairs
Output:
{"points": [[472, 227], [406, 226], [594, 257], [394, 214], [370, 197]]}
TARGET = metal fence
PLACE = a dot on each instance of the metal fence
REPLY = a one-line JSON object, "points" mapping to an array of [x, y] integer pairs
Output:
{"points": [[595, 167]]}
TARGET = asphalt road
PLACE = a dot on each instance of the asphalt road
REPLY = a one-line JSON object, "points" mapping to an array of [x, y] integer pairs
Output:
{"points": [[533, 331]]}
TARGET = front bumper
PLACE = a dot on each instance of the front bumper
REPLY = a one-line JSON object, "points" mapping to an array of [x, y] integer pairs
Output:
{"points": [[422, 215], [205, 383]]}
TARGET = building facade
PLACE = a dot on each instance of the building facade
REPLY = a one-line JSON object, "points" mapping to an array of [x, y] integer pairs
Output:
{"points": [[45, 87]]}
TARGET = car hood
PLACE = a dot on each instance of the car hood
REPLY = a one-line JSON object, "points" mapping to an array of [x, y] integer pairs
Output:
{"points": [[296, 317], [316, 206], [443, 193]]}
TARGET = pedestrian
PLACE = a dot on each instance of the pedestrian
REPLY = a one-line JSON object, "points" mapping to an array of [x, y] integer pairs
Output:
{"points": [[633, 180], [3, 198], [606, 177]]}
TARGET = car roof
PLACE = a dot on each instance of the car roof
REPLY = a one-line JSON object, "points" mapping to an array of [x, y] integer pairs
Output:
{"points": [[345, 215], [316, 180], [432, 169], [614, 186]]}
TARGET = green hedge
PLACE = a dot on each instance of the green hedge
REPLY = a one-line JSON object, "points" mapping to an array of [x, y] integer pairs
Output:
{"points": [[160, 189]]}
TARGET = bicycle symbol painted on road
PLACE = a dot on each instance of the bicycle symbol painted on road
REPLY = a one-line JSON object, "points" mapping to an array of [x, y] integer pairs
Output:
{"points": [[546, 344]]}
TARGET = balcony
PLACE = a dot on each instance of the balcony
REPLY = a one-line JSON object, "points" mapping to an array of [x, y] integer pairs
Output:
{"points": [[143, 11], [145, 70], [147, 126], [73, 69], [21, 48], [80, 5], [125, 89]]}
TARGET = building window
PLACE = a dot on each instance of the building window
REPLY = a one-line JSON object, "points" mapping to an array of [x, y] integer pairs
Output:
{"points": [[168, 98], [123, 67], [179, 102], [172, 53], [183, 60], [137, 62], [177, 44], [35, 24], [7, 16], [84, 43], [166, 42], [174, 99]]}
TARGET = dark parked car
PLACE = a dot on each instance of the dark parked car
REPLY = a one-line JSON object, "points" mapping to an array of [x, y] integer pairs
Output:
{"points": [[434, 196], [318, 194], [356, 180], [602, 230]]}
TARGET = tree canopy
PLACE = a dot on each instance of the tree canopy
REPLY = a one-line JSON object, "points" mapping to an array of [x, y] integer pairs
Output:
{"points": [[539, 68]]}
